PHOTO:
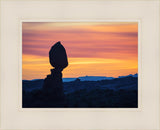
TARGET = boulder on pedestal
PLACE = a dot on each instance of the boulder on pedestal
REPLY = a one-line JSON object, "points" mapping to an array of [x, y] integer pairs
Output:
{"points": [[53, 85], [58, 56]]}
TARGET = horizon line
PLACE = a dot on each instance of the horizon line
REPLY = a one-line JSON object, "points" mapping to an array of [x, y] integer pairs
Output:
{"points": [[89, 76]]}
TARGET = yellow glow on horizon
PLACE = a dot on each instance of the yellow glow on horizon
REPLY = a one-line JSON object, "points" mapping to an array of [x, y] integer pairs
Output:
{"points": [[73, 61], [78, 67]]}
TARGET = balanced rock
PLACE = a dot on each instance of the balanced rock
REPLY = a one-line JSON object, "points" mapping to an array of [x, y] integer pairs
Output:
{"points": [[53, 85], [58, 56]]}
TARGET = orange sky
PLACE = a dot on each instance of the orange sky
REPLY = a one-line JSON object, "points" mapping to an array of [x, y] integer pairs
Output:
{"points": [[94, 49]]}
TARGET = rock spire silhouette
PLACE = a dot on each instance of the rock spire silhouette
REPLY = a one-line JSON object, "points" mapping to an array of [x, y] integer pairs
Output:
{"points": [[53, 85]]}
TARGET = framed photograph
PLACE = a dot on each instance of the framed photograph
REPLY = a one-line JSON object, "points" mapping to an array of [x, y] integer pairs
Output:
{"points": [[99, 64], [79, 64]]}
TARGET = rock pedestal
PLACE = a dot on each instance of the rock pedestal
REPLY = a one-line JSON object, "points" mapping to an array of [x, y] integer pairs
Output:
{"points": [[53, 86]]}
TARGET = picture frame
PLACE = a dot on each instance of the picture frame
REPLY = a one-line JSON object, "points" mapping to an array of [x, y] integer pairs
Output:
{"points": [[13, 116]]}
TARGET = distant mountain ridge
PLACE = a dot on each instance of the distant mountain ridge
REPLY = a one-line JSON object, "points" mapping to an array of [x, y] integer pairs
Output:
{"points": [[132, 75], [96, 78], [90, 78]]}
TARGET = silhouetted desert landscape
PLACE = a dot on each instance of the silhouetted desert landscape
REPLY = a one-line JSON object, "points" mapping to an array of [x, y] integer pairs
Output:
{"points": [[119, 92]]}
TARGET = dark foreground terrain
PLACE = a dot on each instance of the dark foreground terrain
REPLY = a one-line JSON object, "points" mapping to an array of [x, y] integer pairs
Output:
{"points": [[115, 93]]}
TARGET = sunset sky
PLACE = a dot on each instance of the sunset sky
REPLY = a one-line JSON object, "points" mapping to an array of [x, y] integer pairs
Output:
{"points": [[94, 49]]}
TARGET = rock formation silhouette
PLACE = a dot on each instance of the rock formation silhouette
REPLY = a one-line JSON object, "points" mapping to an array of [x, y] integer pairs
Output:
{"points": [[53, 85]]}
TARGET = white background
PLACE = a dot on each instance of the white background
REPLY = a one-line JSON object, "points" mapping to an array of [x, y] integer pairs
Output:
{"points": [[14, 117]]}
